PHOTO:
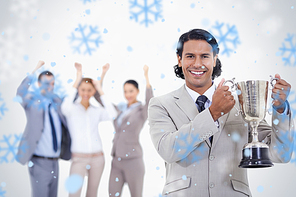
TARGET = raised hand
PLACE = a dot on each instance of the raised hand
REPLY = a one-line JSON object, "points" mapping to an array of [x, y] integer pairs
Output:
{"points": [[39, 65], [222, 101], [146, 68], [280, 93], [104, 71], [106, 67], [78, 66]]}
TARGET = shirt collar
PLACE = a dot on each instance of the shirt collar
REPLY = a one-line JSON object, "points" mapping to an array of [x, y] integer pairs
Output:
{"points": [[209, 93]]}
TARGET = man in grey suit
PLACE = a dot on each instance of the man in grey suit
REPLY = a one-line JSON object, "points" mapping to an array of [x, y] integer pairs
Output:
{"points": [[196, 131], [46, 137]]}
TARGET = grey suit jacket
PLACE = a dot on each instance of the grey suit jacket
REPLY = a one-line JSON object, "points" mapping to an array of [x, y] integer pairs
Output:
{"points": [[126, 139], [34, 126], [194, 166]]}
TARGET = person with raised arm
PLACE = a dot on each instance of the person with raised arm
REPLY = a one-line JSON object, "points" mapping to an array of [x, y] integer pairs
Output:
{"points": [[127, 164], [84, 108], [46, 137]]}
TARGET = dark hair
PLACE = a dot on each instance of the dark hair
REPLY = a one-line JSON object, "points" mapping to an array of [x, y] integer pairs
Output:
{"points": [[133, 82], [87, 80], [96, 95], [46, 73], [198, 34]]}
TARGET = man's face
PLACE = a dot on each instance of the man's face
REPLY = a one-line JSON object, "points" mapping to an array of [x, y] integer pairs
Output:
{"points": [[46, 84], [197, 64]]}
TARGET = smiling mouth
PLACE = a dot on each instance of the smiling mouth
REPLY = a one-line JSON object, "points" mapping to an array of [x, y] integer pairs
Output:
{"points": [[197, 73]]}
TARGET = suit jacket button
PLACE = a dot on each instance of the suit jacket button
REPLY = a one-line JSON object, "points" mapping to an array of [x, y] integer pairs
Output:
{"points": [[211, 157], [212, 185]]}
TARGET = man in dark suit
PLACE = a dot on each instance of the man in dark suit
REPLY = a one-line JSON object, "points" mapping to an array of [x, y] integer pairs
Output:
{"points": [[46, 135]]}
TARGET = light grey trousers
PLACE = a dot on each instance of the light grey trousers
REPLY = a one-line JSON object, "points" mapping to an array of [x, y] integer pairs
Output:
{"points": [[44, 175], [92, 167], [130, 171]]}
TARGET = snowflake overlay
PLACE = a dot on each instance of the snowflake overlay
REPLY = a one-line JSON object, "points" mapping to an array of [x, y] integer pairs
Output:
{"points": [[144, 8], [3, 107], [85, 1], [291, 50], [292, 103], [2, 192], [33, 95], [283, 148], [9, 147], [186, 148], [228, 38], [81, 40]]}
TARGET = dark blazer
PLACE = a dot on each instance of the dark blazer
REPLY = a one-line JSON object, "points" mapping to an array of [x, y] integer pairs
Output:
{"points": [[35, 124], [126, 140], [194, 166]]}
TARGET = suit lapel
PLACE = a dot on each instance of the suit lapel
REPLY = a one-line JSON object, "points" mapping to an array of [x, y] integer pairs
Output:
{"points": [[185, 103]]}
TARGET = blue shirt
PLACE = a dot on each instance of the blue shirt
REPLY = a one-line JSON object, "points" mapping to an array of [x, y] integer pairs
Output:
{"points": [[45, 144]]}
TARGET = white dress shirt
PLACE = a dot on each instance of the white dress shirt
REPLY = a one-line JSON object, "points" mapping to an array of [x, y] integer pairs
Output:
{"points": [[83, 123], [45, 144]]}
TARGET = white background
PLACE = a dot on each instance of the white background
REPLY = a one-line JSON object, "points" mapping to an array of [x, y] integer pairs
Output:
{"points": [[262, 26]]}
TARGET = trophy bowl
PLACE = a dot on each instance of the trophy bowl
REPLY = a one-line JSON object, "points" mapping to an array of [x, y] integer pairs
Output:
{"points": [[253, 102], [252, 96]]}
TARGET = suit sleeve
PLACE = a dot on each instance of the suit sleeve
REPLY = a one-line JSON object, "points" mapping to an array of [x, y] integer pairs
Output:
{"points": [[149, 95], [23, 90], [68, 102], [174, 144], [279, 136]]}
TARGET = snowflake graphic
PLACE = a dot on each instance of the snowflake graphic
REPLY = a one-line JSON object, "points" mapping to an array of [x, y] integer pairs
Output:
{"points": [[291, 49], [145, 8], [228, 38], [186, 148], [2, 192], [292, 102], [34, 97], [9, 147], [85, 1], [283, 147], [90, 40], [3, 107]]}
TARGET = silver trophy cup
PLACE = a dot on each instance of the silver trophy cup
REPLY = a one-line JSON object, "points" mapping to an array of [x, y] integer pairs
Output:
{"points": [[252, 96]]}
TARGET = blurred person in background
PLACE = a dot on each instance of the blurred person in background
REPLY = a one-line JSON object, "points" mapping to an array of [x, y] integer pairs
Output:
{"points": [[84, 108], [46, 137]]}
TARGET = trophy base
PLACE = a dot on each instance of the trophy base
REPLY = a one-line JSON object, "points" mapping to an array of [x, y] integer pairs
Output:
{"points": [[256, 157]]}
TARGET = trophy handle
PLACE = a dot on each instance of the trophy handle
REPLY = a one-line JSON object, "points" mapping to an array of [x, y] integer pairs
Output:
{"points": [[233, 88], [272, 80]]}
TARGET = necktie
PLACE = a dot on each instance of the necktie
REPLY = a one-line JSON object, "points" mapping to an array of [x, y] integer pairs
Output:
{"points": [[53, 131], [200, 101]]}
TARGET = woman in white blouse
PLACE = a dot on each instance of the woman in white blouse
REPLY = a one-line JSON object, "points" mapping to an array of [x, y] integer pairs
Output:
{"points": [[83, 116]]}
